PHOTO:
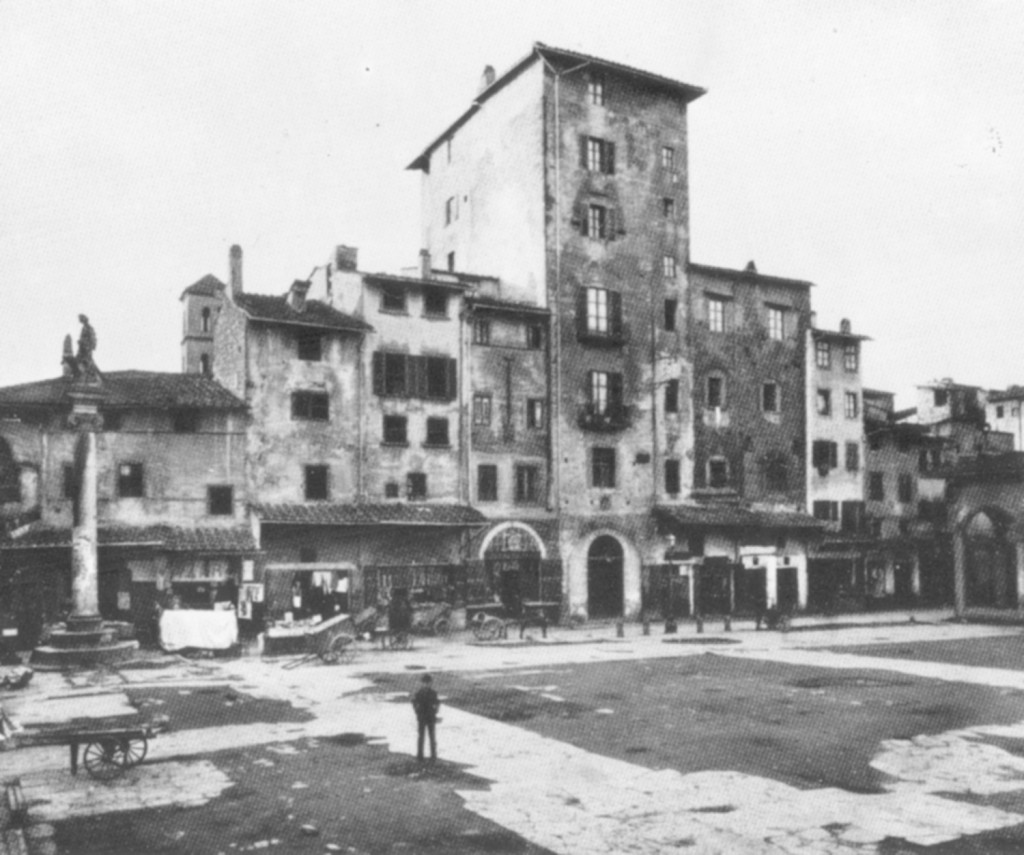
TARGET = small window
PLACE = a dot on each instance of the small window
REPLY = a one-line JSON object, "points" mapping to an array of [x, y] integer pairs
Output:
{"points": [[392, 299], [310, 406], [220, 501], [449, 210], [776, 323], [905, 488], [391, 490], [597, 222], [826, 511], [598, 320], [604, 390], [396, 430], [316, 483], [770, 397], [597, 155], [668, 208], [603, 467], [416, 485], [668, 266], [668, 157], [822, 354], [851, 405], [824, 402], [204, 364], [595, 91], [672, 480], [437, 432], [394, 374], [487, 483], [672, 396], [876, 486], [534, 336], [435, 301], [715, 392], [451, 262], [671, 310], [130, 481], [851, 360], [205, 320], [437, 378], [852, 457], [535, 413], [527, 484], [310, 346], [824, 455], [481, 409], [185, 421], [70, 482], [716, 314], [481, 332], [718, 472], [941, 397], [999, 411]]}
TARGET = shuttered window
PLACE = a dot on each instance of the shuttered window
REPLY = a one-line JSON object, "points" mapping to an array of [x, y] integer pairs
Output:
{"points": [[399, 375]]}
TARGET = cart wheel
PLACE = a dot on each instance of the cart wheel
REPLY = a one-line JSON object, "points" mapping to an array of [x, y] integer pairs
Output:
{"points": [[132, 751], [341, 649], [488, 629], [103, 759], [442, 627], [401, 641]]}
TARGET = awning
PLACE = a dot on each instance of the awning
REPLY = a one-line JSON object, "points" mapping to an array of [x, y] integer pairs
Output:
{"points": [[384, 513], [736, 516], [205, 540]]}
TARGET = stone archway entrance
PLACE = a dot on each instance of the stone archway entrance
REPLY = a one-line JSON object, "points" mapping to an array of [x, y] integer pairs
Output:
{"points": [[605, 561], [513, 563], [990, 563]]}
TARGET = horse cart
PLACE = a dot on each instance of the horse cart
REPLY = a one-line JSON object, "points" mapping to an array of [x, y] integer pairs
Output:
{"points": [[491, 621], [331, 641]]}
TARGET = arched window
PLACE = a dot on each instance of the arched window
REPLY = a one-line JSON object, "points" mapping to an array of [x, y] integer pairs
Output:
{"points": [[205, 320], [718, 472]]}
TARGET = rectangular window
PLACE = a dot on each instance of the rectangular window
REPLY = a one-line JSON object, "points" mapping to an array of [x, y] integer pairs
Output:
{"points": [[826, 511], [487, 483], [316, 483], [597, 155], [776, 321], [718, 473], [310, 346], [605, 391], [824, 402], [851, 359], [595, 91], [438, 385], [435, 301], [941, 397], [999, 411], [70, 482], [597, 310], [668, 266], [481, 332], [398, 375], [482, 410], [905, 488], [876, 486], [534, 336], [668, 208], [851, 405], [852, 457], [824, 455], [715, 396], [822, 354], [602, 467], [396, 430], [391, 490], [437, 432], [310, 406], [220, 501], [597, 222], [672, 480], [449, 210], [672, 396], [416, 485], [451, 261], [392, 299], [394, 375], [770, 397], [668, 157], [527, 484], [599, 315], [129, 481], [716, 314], [535, 413], [185, 421], [671, 310]]}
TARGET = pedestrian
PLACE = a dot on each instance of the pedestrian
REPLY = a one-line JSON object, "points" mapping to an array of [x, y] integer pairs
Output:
{"points": [[425, 703]]}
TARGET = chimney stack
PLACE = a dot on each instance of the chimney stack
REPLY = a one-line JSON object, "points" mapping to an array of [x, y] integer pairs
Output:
{"points": [[845, 327], [235, 264], [487, 78], [297, 295], [425, 269], [346, 258]]}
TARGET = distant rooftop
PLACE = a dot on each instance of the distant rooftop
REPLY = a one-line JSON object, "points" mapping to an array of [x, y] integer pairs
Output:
{"points": [[749, 272], [208, 286], [268, 308]]}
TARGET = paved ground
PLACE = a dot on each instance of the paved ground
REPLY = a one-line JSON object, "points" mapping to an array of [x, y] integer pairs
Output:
{"points": [[894, 737]]}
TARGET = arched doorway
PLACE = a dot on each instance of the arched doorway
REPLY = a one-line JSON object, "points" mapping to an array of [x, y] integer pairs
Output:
{"points": [[604, 578], [512, 557], [991, 577]]}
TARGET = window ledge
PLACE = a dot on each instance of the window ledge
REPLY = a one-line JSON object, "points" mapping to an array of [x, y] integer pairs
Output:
{"points": [[441, 445], [386, 444], [403, 312], [436, 316]]}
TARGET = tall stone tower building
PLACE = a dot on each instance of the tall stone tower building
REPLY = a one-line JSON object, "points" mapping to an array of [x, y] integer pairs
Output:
{"points": [[564, 186]]}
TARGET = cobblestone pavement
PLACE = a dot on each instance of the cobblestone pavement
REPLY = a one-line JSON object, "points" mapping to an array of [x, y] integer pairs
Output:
{"points": [[559, 796]]}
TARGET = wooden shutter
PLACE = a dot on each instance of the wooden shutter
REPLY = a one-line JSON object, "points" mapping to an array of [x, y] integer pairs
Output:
{"points": [[378, 374], [453, 380], [551, 580], [611, 225], [581, 311], [583, 216], [615, 313], [833, 455], [614, 391], [415, 377], [608, 150], [583, 152]]}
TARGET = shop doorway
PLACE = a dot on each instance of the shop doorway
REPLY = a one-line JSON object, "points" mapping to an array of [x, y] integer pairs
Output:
{"points": [[604, 578], [991, 566]]}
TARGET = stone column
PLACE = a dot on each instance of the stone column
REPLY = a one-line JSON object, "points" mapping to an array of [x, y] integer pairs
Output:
{"points": [[85, 419], [959, 572]]}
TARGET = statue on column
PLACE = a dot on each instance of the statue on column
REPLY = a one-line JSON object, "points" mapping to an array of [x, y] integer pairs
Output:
{"points": [[81, 366]]}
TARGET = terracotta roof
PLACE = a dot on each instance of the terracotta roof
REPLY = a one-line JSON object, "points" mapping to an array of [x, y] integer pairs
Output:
{"points": [[1014, 393], [838, 335], [542, 51], [208, 286], [729, 273], [267, 308], [126, 389], [509, 306], [385, 513], [394, 279], [171, 538], [735, 516]]}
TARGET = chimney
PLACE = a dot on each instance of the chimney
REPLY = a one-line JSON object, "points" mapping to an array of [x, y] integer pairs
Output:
{"points": [[487, 78], [297, 295], [235, 264], [751, 267], [814, 320], [425, 272], [844, 326], [346, 258]]}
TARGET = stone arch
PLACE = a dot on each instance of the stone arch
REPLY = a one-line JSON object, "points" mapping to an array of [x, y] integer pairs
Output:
{"points": [[502, 529], [987, 558]]}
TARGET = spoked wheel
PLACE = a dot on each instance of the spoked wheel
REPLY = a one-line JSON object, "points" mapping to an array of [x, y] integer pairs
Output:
{"points": [[103, 759], [488, 629], [401, 641], [442, 627], [341, 649], [132, 751]]}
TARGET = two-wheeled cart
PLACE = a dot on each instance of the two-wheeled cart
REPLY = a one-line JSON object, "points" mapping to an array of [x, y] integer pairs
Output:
{"points": [[331, 641], [491, 621]]}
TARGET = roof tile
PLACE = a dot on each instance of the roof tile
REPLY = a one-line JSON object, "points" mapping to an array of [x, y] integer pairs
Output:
{"points": [[124, 389], [390, 513], [172, 538], [735, 516], [275, 309]]}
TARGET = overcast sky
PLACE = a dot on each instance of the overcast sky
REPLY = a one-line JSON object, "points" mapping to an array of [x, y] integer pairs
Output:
{"points": [[874, 148]]}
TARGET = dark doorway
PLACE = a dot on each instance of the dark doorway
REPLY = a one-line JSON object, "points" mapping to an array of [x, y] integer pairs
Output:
{"points": [[604, 578], [787, 589], [991, 566], [903, 581], [751, 596]]}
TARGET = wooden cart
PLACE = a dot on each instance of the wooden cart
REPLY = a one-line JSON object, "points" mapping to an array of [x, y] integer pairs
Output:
{"points": [[331, 641], [490, 621]]}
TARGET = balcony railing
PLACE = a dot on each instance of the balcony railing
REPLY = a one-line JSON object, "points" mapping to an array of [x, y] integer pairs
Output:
{"points": [[615, 336], [612, 418]]}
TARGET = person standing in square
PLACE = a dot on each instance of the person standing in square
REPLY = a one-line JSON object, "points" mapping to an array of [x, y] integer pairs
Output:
{"points": [[425, 703]]}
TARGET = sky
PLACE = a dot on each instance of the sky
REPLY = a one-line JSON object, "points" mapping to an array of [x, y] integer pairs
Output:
{"points": [[875, 148]]}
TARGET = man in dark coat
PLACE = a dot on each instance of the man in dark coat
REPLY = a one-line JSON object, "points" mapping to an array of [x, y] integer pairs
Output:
{"points": [[426, 704]]}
